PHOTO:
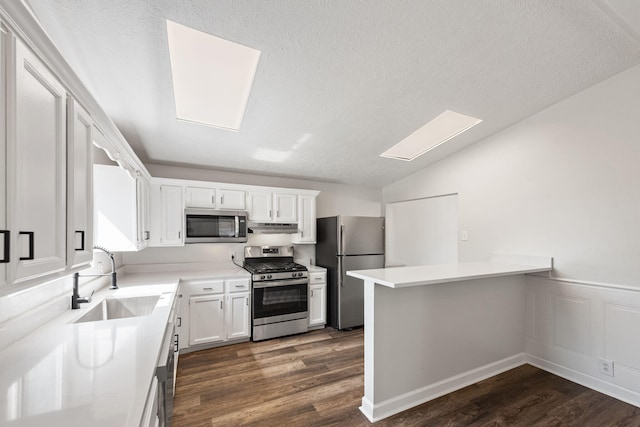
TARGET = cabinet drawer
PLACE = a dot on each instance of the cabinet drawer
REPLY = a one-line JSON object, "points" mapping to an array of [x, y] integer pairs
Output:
{"points": [[317, 277], [238, 285], [203, 287]]}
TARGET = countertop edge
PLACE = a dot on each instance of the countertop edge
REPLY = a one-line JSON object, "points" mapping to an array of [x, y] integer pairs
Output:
{"points": [[499, 269]]}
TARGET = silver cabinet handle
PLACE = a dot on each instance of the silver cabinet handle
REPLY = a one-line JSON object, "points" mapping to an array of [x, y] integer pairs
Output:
{"points": [[222, 199], [207, 289]]}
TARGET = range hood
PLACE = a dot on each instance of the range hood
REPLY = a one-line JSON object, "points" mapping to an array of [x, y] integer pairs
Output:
{"points": [[272, 228]]}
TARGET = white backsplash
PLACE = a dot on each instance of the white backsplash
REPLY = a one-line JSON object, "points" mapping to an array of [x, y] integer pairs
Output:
{"points": [[217, 253]]}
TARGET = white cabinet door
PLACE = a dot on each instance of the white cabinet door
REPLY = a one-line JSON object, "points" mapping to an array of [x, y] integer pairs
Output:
{"points": [[286, 207], [231, 199], [182, 322], [115, 216], [259, 206], [237, 315], [317, 304], [142, 200], [206, 323], [200, 197], [37, 169], [79, 185], [5, 238], [306, 220], [171, 215]]}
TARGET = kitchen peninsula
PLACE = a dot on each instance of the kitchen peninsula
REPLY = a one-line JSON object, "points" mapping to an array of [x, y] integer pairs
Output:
{"points": [[430, 330]]}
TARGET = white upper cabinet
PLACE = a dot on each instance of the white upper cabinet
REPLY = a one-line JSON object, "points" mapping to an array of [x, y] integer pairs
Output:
{"points": [[286, 207], [218, 198], [263, 205], [37, 168], [171, 216], [116, 226], [79, 185], [231, 199], [200, 197], [259, 206], [306, 220], [143, 203], [121, 209], [272, 207], [5, 235]]}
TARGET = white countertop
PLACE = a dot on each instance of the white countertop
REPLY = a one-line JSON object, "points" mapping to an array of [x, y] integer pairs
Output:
{"points": [[402, 277], [95, 373]]}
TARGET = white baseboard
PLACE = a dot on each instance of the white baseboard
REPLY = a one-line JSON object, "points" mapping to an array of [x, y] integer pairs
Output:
{"points": [[421, 395], [593, 383]]}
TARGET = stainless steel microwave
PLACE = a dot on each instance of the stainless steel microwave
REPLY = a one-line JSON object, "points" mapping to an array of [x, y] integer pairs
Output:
{"points": [[215, 226]]}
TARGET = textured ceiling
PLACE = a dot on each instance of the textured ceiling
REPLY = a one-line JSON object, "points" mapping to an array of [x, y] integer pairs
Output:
{"points": [[338, 82]]}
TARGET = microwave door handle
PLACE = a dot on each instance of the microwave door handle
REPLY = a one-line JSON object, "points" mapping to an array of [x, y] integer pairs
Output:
{"points": [[237, 221]]}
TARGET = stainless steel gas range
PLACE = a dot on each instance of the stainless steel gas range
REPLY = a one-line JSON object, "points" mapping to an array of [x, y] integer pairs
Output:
{"points": [[280, 292]]}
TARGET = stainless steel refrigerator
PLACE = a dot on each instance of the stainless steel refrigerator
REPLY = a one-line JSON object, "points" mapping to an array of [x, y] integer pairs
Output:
{"points": [[348, 243]]}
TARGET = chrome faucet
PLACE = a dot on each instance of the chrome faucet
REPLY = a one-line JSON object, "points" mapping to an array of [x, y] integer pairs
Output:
{"points": [[76, 299]]}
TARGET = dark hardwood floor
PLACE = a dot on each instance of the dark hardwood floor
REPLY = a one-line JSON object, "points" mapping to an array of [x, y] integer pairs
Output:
{"points": [[316, 379]]}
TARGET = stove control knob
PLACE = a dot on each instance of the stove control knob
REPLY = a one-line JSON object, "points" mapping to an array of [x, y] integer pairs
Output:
{"points": [[269, 276], [293, 274], [262, 277], [300, 274]]}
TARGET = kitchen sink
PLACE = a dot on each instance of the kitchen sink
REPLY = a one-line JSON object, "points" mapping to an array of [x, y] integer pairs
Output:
{"points": [[120, 308]]}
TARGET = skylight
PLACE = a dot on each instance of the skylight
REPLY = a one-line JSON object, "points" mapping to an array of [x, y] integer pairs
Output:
{"points": [[446, 126], [212, 77]]}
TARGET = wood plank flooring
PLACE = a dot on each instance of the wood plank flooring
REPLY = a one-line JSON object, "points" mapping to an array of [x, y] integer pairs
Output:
{"points": [[316, 379]]}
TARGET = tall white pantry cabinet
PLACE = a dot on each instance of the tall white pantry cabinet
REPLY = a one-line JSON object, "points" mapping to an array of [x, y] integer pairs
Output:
{"points": [[46, 210]]}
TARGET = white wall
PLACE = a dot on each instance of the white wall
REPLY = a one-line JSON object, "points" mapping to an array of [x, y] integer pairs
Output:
{"points": [[422, 231], [563, 183]]}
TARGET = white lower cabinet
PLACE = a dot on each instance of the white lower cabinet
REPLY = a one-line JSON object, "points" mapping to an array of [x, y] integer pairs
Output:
{"points": [[238, 315], [207, 323], [218, 310], [317, 299]]}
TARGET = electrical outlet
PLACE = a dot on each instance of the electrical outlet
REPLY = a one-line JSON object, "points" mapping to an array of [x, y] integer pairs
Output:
{"points": [[464, 235], [606, 366], [232, 255]]}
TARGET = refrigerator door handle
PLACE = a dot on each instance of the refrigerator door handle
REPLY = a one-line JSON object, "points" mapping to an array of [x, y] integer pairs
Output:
{"points": [[340, 275], [341, 248]]}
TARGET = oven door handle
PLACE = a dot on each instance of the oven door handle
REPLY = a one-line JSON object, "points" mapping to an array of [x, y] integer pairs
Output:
{"points": [[287, 282]]}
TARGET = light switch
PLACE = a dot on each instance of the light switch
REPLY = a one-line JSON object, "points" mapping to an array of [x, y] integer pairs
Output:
{"points": [[464, 235]]}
